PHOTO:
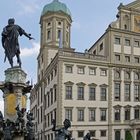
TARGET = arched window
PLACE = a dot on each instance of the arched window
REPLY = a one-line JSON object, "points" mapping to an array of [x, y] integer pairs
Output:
{"points": [[136, 76], [117, 74]]}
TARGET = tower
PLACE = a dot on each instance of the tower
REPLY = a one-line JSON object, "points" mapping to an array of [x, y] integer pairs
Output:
{"points": [[55, 26]]}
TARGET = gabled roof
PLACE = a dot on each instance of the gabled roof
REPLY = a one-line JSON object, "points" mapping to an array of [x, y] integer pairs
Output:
{"points": [[134, 5]]}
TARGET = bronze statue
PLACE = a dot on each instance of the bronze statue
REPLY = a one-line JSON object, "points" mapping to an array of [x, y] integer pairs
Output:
{"points": [[10, 42], [30, 127], [62, 133], [87, 137]]}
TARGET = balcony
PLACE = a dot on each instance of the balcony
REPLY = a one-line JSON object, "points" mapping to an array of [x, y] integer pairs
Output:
{"points": [[82, 55], [134, 122]]}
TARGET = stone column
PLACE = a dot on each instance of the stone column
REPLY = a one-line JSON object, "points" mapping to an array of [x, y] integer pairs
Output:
{"points": [[12, 87], [135, 134]]}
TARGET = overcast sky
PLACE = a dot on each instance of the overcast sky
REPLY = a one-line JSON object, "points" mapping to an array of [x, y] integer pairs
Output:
{"points": [[90, 20]]}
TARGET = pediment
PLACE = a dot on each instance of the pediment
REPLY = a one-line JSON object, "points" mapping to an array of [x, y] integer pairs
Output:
{"points": [[134, 5]]}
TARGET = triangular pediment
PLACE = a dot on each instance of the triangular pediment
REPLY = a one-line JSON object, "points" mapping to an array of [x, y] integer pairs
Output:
{"points": [[134, 5]]}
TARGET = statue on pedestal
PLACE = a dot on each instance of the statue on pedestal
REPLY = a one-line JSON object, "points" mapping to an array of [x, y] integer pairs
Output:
{"points": [[20, 122], [10, 42], [62, 133]]}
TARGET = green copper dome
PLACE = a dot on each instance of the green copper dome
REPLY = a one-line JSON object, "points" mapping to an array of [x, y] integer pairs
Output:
{"points": [[56, 6]]}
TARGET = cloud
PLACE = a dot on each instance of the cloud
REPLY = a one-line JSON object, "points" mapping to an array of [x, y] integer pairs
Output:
{"points": [[25, 52], [27, 7]]}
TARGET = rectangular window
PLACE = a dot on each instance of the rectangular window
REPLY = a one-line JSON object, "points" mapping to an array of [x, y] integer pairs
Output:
{"points": [[103, 133], [136, 92], [101, 46], [80, 115], [68, 114], [127, 42], [117, 57], [68, 92], [81, 70], [127, 92], [127, 58], [103, 93], [136, 59], [137, 113], [103, 72], [117, 40], [91, 114], [92, 93], [103, 114], [117, 114], [68, 69], [92, 71], [80, 93], [92, 133], [127, 114], [136, 43], [117, 92], [48, 34], [80, 134]]}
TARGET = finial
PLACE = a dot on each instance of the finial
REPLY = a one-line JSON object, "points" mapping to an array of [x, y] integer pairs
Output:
{"points": [[55, 0]]}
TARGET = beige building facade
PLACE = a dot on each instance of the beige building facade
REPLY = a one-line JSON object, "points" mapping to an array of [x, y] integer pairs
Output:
{"points": [[98, 90]]}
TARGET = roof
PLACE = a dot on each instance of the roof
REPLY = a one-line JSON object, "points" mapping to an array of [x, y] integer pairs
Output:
{"points": [[56, 6]]}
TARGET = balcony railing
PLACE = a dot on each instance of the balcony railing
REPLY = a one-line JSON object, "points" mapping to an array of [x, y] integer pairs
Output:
{"points": [[135, 122], [82, 55]]}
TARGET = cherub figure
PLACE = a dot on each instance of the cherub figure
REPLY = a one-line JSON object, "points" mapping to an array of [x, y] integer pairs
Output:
{"points": [[62, 133]]}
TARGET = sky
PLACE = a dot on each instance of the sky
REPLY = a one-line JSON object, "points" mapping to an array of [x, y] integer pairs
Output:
{"points": [[90, 20]]}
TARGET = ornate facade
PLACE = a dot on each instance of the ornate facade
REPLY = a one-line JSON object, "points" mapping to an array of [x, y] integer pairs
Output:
{"points": [[98, 90]]}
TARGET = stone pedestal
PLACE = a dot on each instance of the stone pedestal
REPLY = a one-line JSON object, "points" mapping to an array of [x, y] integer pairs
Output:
{"points": [[12, 87], [19, 138]]}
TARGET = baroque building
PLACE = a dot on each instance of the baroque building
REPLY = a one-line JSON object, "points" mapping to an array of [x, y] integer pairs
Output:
{"points": [[98, 90]]}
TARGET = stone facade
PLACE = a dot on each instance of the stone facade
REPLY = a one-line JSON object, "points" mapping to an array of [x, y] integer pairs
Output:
{"points": [[99, 90]]}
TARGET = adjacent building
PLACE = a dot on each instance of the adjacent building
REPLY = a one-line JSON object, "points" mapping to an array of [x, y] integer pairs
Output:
{"points": [[98, 90]]}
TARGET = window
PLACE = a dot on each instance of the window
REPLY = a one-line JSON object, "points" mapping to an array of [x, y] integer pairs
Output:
{"points": [[127, 76], [137, 113], [117, 74], [117, 135], [92, 71], [117, 57], [127, 114], [136, 43], [136, 92], [68, 114], [103, 114], [117, 92], [80, 93], [103, 93], [59, 34], [59, 23], [101, 46], [68, 69], [103, 72], [128, 135], [80, 114], [51, 94], [127, 42], [103, 133], [117, 40], [117, 114], [91, 114], [127, 58], [136, 59], [92, 133], [94, 52], [92, 93], [81, 70], [49, 23], [48, 34], [68, 92], [127, 92], [136, 76], [80, 134]]}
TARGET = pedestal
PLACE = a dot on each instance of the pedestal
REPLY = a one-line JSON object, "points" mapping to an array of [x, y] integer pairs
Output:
{"points": [[12, 87]]}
